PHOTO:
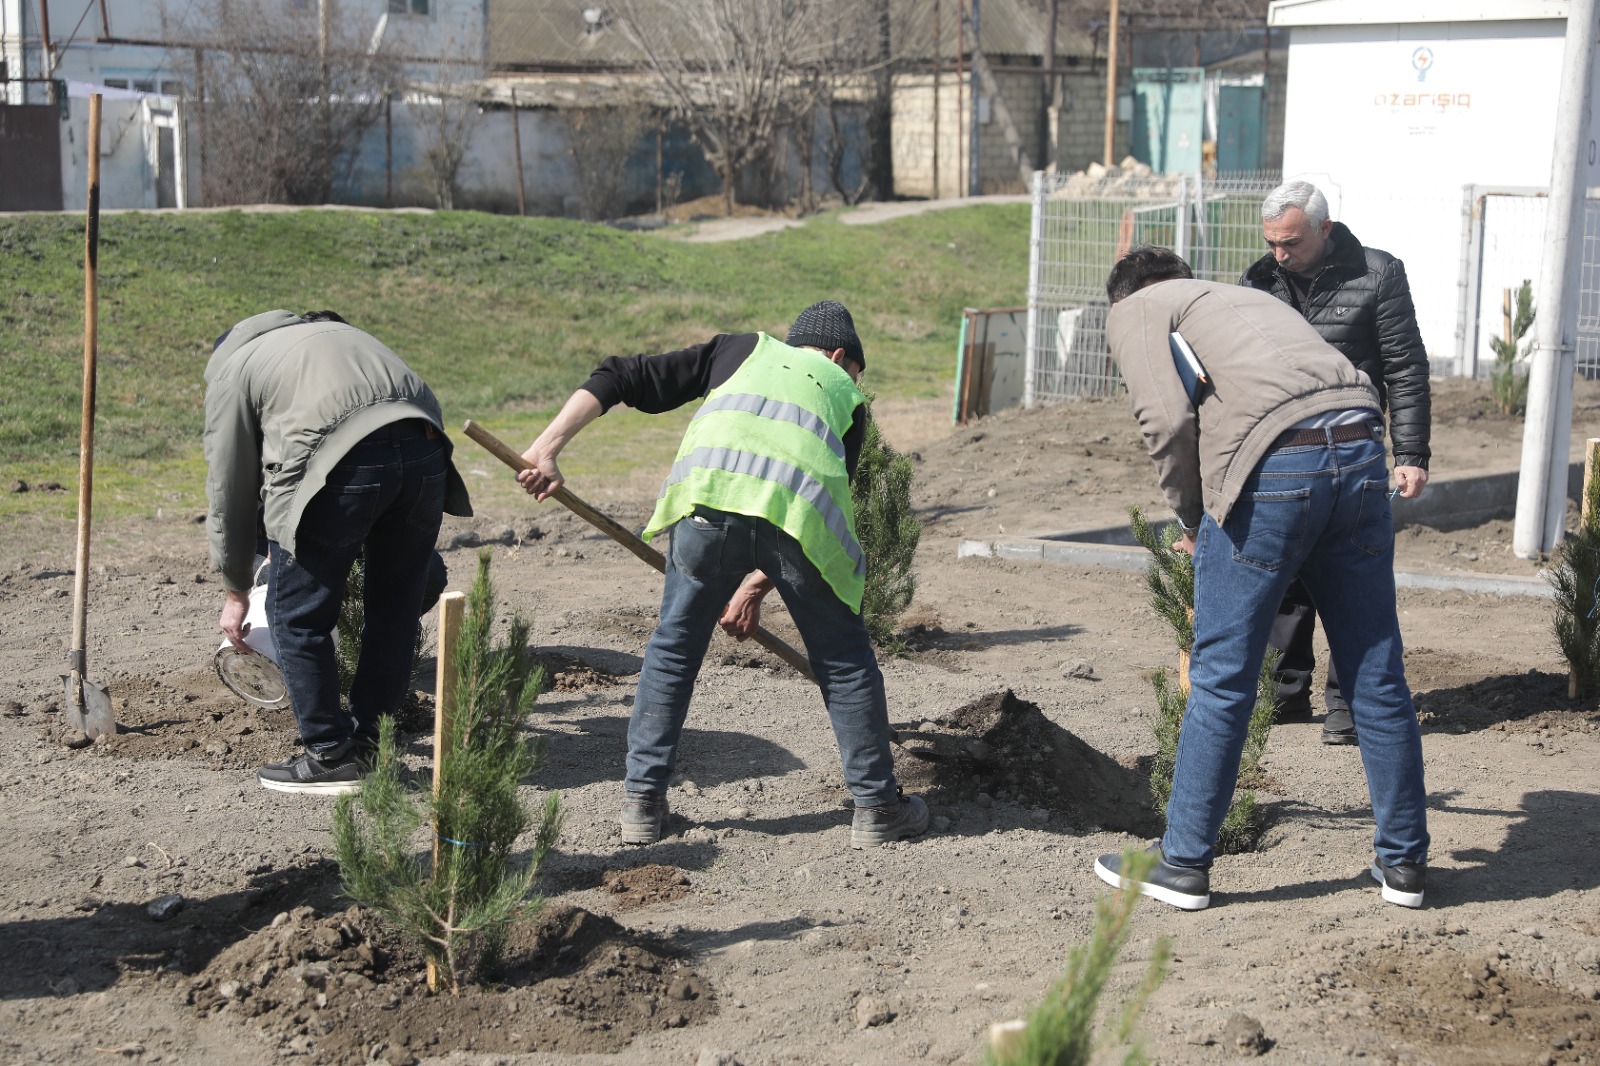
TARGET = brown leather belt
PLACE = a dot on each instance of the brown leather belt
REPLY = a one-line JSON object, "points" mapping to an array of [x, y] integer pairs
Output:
{"points": [[1347, 434]]}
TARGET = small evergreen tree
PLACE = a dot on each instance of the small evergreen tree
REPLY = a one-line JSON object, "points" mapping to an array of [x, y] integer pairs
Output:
{"points": [[1170, 579], [1508, 380], [1576, 575], [888, 532], [1061, 1030], [460, 909], [347, 631]]}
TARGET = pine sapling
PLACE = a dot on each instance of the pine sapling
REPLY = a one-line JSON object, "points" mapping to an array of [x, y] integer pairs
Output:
{"points": [[347, 631], [888, 532], [459, 909], [1170, 703], [1576, 575], [1508, 381], [1170, 579], [1061, 1030]]}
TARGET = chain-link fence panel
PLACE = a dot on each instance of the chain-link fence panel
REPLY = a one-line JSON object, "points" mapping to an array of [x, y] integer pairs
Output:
{"points": [[1081, 225]]}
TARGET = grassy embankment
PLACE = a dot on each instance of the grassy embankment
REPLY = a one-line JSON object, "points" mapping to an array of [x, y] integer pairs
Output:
{"points": [[502, 316]]}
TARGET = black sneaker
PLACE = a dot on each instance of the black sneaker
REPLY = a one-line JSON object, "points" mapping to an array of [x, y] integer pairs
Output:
{"points": [[906, 817], [643, 818], [307, 773], [1338, 727], [1185, 887], [1402, 883]]}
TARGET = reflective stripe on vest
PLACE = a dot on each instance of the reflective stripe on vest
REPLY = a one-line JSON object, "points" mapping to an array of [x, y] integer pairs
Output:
{"points": [[751, 404], [790, 477], [768, 444]]}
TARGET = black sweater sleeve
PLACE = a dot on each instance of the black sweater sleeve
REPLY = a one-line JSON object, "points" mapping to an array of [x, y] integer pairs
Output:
{"points": [[657, 383]]}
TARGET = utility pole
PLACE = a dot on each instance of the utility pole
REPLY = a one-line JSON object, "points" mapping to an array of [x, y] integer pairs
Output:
{"points": [[1047, 92], [516, 146], [961, 82], [1542, 482], [1111, 85], [935, 99], [325, 82], [973, 186]]}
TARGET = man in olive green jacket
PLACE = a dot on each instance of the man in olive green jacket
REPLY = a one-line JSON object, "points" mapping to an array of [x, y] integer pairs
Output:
{"points": [[325, 437]]}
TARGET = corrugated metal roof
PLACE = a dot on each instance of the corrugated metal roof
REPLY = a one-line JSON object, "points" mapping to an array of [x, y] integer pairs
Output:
{"points": [[556, 35], [1388, 13]]}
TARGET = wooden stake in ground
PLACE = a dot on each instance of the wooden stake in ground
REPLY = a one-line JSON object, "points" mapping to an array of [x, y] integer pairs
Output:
{"points": [[452, 607], [88, 703], [623, 536]]}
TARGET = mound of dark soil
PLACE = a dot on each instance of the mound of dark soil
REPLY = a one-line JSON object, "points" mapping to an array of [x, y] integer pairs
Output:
{"points": [[1005, 748], [642, 886], [567, 673], [343, 990]]}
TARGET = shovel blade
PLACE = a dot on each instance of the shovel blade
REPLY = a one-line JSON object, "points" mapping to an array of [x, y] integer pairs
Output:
{"points": [[89, 707]]}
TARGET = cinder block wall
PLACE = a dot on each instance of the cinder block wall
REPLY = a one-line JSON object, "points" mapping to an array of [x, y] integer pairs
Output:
{"points": [[1080, 131]]}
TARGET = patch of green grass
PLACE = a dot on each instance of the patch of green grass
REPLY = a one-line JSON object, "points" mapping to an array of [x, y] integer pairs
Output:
{"points": [[502, 316]]}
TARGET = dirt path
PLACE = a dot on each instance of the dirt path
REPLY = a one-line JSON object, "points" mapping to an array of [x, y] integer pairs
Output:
{"points": [[753, 930]]}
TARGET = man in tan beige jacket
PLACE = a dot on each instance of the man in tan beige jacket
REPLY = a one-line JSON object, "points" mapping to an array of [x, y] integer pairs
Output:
{"points": [[1275, 468]]}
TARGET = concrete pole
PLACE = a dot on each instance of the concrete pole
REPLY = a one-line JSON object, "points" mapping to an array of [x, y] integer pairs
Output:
{"points": [[1030, 356], [1542, 484]]}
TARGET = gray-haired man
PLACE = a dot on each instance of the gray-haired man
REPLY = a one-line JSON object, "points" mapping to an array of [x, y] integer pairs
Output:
{"points": [[1358, 300]]}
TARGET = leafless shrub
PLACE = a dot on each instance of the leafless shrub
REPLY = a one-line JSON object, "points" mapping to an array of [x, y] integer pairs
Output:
{"points": [[731, 69], [446, 116], [600, 140], [284, 107]]}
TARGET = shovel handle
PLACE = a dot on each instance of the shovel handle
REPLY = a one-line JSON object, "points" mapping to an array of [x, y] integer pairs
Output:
{"points": [[622, 535]]}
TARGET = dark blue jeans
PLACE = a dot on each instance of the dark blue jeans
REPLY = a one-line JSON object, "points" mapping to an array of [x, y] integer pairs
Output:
{"points": [[386, 498], [711, 553], [1321, 512]]}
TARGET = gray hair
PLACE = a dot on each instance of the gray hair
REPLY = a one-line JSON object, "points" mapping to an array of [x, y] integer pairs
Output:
{"points": [[1301, 194]]}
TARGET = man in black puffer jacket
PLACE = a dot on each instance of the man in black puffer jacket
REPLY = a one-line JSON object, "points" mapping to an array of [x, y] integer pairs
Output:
{"points": [[1359, 301]]}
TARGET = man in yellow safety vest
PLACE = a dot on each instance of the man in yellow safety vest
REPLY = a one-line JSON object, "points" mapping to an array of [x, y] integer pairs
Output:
{"points": [[757, 498]]}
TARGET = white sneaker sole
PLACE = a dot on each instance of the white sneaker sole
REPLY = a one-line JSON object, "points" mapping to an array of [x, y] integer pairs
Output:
{"points": [[312, 788], [1181, 900], [1394, 895]]}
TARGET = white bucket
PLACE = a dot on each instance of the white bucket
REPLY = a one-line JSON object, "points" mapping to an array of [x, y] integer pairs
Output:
{"points": [[254, 675]]}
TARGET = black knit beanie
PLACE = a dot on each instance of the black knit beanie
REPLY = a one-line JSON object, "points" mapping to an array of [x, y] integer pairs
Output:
{"points": [[827, 325]]}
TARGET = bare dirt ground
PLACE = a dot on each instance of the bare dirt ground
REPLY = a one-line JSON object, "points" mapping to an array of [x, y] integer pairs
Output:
{"points": [[752, 933]]}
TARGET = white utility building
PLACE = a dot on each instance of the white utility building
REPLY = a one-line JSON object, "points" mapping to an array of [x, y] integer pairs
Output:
{"points": [[1430, 125]]}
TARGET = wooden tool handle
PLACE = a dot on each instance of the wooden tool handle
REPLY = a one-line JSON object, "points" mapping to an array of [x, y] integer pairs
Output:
{"points": [[622, 535]]}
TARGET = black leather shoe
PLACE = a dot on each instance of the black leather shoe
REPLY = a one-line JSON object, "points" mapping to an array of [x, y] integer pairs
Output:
{"points": [[1338, 727], [1185, 887]]}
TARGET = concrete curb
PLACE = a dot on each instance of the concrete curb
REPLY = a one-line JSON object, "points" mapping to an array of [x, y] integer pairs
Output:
{"points": [[1078, 553]]}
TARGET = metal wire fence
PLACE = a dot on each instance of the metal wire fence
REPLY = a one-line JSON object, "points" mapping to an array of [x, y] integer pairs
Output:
{"points": [[1082, 225], [1588, 346], [1503, 246]]}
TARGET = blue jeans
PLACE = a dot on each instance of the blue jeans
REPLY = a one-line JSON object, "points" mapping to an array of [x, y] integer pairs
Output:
{"points": [[386, 498], [1321, 512], [711, 553]]}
